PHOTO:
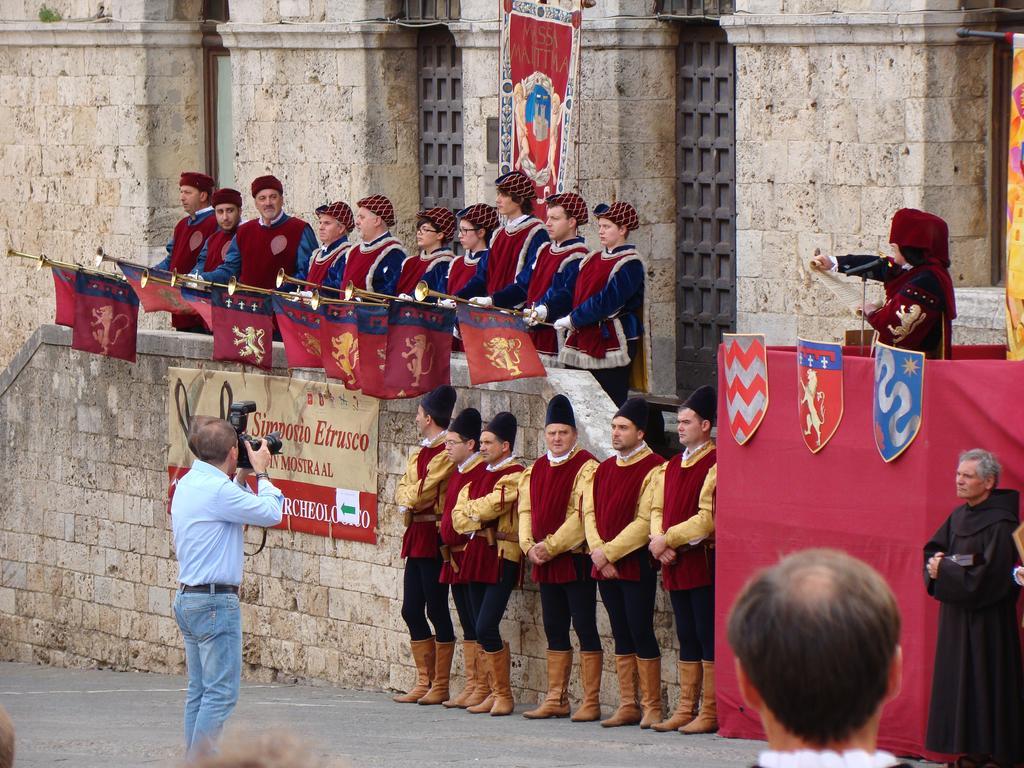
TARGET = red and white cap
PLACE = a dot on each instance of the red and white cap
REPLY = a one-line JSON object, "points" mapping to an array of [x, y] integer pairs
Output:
{"points": [[379, 205], [339, 211], [621, 213]]}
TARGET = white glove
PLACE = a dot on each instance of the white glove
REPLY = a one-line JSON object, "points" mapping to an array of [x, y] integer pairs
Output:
{"points": [[455, 332], [304, 294], [190, 283], [563, 323], [447, 303], [482, 301], [405, 297], [536, 315]]}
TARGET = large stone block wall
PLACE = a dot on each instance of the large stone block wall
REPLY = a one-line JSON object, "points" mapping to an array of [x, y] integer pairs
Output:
{"points": [[87, 570]]}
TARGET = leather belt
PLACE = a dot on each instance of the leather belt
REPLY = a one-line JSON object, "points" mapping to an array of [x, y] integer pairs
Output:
{"points": [[426, 517], [211, 589]]}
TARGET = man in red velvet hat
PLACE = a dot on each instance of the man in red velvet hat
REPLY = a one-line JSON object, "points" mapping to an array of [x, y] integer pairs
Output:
{"points": [[327, 263], [375, 264], [190, 235], [227, 207], [265, 245], [514, 247], [434, 228]]}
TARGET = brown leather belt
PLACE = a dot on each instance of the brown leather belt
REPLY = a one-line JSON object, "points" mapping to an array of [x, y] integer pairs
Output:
{"points": [[427, 517], [493, 536]]}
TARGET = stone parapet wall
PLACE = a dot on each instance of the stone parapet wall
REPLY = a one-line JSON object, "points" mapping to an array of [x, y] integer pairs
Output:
{"points": [[87, 570]]}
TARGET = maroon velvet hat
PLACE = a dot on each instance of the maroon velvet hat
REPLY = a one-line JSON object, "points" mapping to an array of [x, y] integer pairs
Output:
{"points": [[339, 211], [266, 182], [516, 183], [200, 181], [442, 218], [379, 205], [621, 213], [574, 205], [920, 229], [227, 196], [480, 215]]}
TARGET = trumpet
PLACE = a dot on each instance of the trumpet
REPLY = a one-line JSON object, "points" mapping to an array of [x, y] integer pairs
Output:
{"points": [[424, 291], [352, 292], [234, 285], [45, 261], [101, 257], [283, 277]]}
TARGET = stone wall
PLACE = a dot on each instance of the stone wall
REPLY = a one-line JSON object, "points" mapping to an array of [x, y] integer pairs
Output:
{"points": [[87, 571]]}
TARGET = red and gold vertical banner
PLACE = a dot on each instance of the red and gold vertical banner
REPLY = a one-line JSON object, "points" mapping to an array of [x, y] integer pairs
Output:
{"points": [[1015, 209], [540, 60]]}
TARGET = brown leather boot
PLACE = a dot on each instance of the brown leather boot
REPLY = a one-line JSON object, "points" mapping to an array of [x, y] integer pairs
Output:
{"points": [[591, 663], [689, 689], [423, 654], [442, 674], [628, 712], [707, 718], [469, 654], [501, 668], [650, 691], [556, 703], [485, 674]]}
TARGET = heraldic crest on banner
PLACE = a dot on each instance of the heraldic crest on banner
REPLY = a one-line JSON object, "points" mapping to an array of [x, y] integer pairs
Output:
{"points": [[898, 399], [745, 360], [819, 391], [540, 47]]}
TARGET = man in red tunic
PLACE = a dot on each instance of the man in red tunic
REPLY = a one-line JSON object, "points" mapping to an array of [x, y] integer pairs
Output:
{"points": [[227, 207], [327, 263], [551, 536], [618, 531], [420, 498], [513, 247], [681, 502], [604, 329], [476, 223], [190, 235], [486, 510], [375, 264], [434, 228], [265, 245], [462, 445]]}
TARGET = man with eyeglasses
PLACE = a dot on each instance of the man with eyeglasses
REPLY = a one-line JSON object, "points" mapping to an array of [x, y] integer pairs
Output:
{"points": [[420, 497], [375, 264], [434, 228]]}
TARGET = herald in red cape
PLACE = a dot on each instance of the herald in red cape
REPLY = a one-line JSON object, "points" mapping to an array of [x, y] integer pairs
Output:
{"points": [[243, 328], [372, 320], [819, 366], [300, 332], [419, 350], [339, 343], [106, 317], [155, 296], [64, 295], [746, 383], [199, 300], [498, 346]]}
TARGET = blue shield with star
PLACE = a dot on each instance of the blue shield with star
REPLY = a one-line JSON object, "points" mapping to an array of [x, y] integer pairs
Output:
{"points": [[819, 391], [898, 399]]}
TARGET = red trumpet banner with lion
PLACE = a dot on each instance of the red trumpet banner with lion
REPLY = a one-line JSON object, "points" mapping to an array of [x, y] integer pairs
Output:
{"points": [[540, 59]]}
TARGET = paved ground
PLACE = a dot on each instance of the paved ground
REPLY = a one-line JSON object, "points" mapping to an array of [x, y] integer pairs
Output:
{"points": [[100, 719]]}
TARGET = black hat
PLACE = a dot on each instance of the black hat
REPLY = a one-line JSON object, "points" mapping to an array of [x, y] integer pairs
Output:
{"points": [[467, 424], [703, 402], [503, 426], [636, 410], [438, 404], [560, 412]]}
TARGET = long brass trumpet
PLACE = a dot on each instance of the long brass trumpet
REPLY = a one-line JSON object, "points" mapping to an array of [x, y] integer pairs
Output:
{"points": [[351, 292], [424, 291], [283, 277], [234, 285], [101, 257], [45, 261]]}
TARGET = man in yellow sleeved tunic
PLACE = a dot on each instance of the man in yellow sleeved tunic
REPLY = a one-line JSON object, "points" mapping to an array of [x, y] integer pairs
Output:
{"points": [[618, 531], [681, 499], [551, 536], [486, 510], [420, 499]]}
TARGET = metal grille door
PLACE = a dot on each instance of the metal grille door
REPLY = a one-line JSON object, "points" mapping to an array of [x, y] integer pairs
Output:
{"points": [[706, 218], [440, 103]]}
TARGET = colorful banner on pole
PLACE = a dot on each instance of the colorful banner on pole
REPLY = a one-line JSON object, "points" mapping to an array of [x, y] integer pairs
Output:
{"points": [[328, 468], [1015, 209], [540, 59]]}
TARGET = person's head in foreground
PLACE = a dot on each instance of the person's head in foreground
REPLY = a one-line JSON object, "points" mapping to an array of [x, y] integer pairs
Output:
{"points": [[6, 740], [275, 749], [816, 639]]}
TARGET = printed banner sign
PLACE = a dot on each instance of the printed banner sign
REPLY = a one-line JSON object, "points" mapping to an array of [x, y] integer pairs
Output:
{"points": [[745, 359], [819, 366], [899, 398], [540, 59], [327, 470]]}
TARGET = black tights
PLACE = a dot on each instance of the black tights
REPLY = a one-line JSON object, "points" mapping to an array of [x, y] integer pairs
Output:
{"points": [[630, 606], [695, 622], [489, 602], [460, 594], [423, 597], [615, 381], [576, 600]]}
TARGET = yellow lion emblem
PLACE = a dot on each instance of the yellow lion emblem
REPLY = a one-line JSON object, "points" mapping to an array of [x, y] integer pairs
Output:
{"points": [[250, 342], [107, 327], [345, 352], [503, 354], [417, 350]]}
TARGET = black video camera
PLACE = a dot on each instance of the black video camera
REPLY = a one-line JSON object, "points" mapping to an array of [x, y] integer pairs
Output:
{"points": [[238, 417]]}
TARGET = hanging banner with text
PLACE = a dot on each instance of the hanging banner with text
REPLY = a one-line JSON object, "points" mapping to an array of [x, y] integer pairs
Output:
{"points": [[327, 469], [540, 59], [1015, 208]]}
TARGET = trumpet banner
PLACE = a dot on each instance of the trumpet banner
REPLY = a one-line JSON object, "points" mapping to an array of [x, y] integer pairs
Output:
{"points": [[157, 295], [540, 60], [498, 346], [419, 348], [300, 332], [106, 317], [243, 327]]}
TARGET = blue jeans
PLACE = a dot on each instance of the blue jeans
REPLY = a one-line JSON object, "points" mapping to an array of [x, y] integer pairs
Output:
{"points": [[212, 628]]}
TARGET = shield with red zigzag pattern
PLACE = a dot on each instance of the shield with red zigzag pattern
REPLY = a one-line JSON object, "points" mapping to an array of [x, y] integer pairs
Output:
{"points": [[745, 361]]}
